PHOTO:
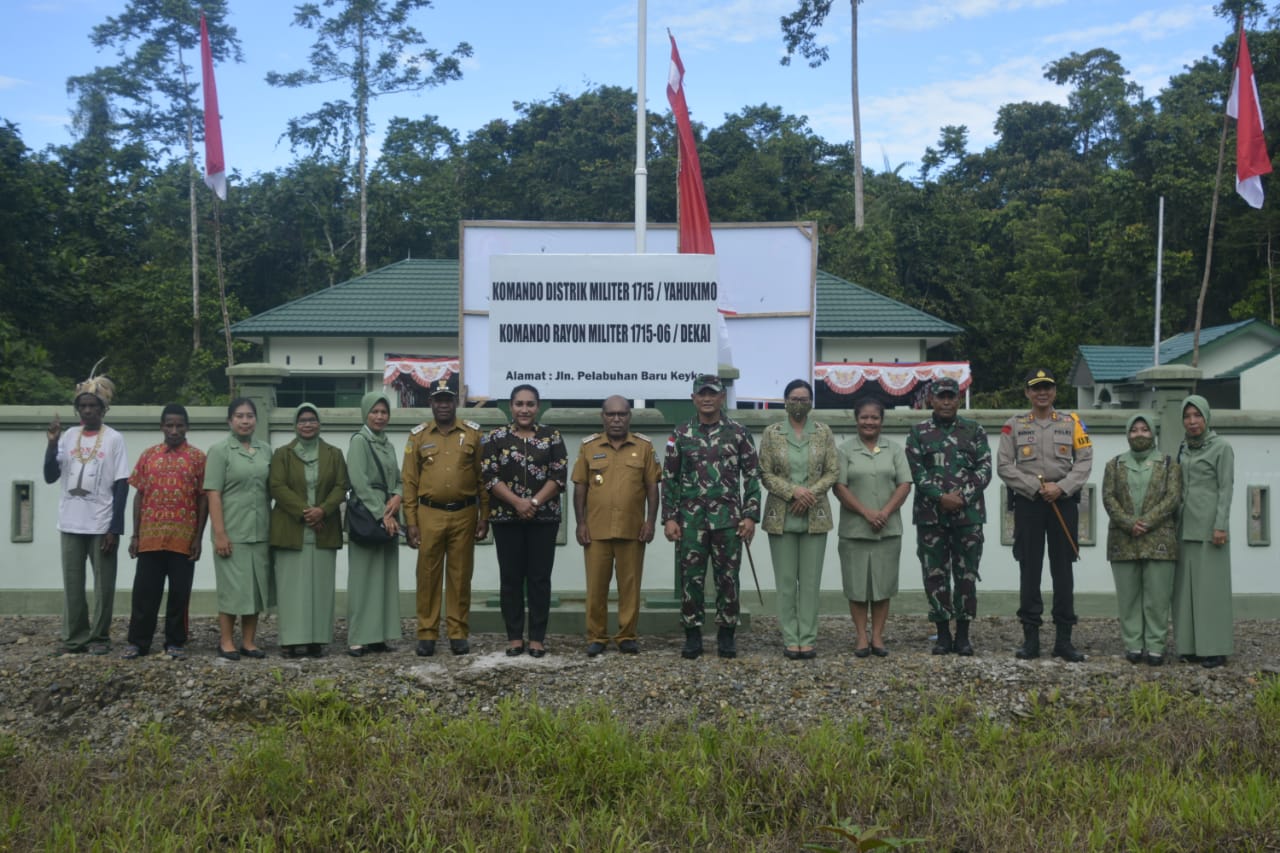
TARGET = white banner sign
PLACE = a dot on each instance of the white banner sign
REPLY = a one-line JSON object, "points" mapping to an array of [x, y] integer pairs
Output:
{"points": [[584, 327]]}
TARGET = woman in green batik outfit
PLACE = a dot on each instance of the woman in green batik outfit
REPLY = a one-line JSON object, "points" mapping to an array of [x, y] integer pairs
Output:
{"points": [[308, 483], [235, 479], [798, 466], [872, 485], [1142, 490], [1203, 622], [373, 576]]}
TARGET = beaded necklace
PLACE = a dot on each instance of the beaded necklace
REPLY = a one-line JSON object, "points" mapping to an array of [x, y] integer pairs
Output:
{"points": [[83, 456]]}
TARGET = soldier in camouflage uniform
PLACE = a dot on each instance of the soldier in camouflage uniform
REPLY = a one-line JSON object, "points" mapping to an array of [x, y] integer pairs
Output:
{"points": [[951, 465], [710, 506]]}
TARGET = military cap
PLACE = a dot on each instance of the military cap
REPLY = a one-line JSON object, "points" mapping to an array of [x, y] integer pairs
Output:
{"points": [[707, 380], [944, 385], [1040, 376], [441, 387]]}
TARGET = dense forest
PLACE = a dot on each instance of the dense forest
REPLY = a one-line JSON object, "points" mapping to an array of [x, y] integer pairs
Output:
{"points": [[1038, 243]]}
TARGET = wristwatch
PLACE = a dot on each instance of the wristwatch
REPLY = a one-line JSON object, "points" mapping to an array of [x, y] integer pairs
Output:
{"points": [[534, 501]]}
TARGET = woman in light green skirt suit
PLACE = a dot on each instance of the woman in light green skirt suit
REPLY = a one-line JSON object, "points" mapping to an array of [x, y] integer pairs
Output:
{"points": [[1203, 622], [235, 480], [308, 484], [373, 576]]}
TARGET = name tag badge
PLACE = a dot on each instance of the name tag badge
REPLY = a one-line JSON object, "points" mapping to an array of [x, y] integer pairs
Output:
{"points": [[600, 456]]}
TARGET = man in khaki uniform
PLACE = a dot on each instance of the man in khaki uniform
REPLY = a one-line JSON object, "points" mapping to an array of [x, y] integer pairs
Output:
{"points": [[447, 511], [1045, 458], [615, 475]]}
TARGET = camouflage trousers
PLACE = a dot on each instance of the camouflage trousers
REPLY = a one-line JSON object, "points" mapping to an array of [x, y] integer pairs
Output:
{"points": [[946, 553], [724, 548]]}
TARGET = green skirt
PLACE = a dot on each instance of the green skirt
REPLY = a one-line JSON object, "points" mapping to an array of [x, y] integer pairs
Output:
{"points": [[869, 567]]}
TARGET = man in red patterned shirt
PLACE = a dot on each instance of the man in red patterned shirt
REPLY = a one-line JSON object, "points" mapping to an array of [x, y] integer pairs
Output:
{"points": [[169, 514]]}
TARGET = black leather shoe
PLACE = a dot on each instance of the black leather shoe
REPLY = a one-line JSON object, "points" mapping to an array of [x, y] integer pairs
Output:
{"points": [[379, 647], [726, 645], [1189, 658], [1030, 648], [962, 646], [880, 651], [1155, 660], [426, 648], [459, 647], [515, 651], [255, 654], [1062, 647], [864, 652], [1133, 657], [629, 647], [1213, 662], [791, 654], [316, 650], [357, 651], [225, 655], [808, 654], [595, 650], [942, 645], [537, 653]]}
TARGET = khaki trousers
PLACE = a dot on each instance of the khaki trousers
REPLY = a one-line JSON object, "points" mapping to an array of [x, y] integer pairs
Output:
{"points": [[448, 549], [600, 557]]}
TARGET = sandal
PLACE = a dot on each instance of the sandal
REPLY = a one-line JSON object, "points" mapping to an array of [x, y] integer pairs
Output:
{"points": [[130, 652]]}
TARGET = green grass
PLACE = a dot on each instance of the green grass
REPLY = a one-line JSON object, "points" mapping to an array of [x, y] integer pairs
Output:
{"points": [[1150, 771]]}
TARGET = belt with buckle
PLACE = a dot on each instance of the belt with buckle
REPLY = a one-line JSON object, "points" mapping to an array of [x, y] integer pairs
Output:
{"points": [[451, 507]]}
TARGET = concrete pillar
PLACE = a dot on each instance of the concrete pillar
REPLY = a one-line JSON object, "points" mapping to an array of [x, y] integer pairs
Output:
{"points": [[1171, 384], [258, 382]]}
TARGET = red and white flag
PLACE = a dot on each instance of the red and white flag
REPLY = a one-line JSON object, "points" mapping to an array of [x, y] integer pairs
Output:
{"points": [[691, 215], [215, 165], [1252, 160]]}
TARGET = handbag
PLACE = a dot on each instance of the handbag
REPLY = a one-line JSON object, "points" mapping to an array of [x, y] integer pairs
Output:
{"points": [[362, 526]]}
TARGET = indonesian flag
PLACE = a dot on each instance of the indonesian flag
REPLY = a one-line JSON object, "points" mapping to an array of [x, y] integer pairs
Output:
{"points": [[215, 165], [1251, 148], [691, 216]]}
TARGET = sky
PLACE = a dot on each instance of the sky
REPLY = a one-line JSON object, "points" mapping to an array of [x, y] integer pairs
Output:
{"points": [[923, 64]]}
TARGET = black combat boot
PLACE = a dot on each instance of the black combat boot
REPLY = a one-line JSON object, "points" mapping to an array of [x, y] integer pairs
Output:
{"points": [[725, 644], [942, 645], [1030, 648], [692, 644], [1062, 647], [962, 644]]}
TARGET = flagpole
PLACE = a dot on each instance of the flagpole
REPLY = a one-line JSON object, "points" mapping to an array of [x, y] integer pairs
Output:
{"points": [[642, 173], [222, 287], [1155, 359], [1213, 219]]}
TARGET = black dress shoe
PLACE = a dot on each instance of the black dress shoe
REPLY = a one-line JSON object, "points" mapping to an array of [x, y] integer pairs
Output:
{"points": [[459, 647], [864, 652], [379, 647], [1189, 658], [1155, 660], [316, 650], [515, 651], [629, 647], [426, 648], [225, 655], [537, 653], [808, 654], [1213, 662], [256, 654], [880, 651], [1133, 657], [358, 651], [791, 654], [595, 649]]}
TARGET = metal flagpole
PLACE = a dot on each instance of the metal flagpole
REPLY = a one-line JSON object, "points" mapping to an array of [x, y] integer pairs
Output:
{"points": [[642, 173], [1155, 359]]}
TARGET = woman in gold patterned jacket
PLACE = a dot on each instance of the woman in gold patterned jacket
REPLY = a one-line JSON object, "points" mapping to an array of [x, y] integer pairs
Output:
{"points": [[798, 465], [1142, 491]]}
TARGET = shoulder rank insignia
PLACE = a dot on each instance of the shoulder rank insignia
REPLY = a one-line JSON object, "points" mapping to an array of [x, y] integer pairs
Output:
{"points": [[643, 437], [591, 438], [472, 424], [419, 428]]}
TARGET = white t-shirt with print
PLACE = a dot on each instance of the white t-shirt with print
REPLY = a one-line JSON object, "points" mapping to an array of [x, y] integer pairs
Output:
{"points": [[88, 476]]}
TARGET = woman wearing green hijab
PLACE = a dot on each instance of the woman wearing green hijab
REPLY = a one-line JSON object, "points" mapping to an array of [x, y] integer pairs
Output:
{"points": [[1203, 622], [308, 483], [373, 576], [1142, 490]]}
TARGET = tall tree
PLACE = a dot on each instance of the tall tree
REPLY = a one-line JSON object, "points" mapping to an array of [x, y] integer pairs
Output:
{"points": [[153, 86], [799, 32], [370, 45]]}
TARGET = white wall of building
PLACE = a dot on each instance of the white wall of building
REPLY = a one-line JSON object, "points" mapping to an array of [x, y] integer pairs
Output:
{"points": [[871, 349]]}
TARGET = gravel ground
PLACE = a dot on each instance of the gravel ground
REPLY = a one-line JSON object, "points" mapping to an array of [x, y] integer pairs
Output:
{"points": [[55, 700]]}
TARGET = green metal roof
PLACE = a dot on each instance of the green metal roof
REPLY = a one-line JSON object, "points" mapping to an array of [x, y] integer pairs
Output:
{"points": [[417, 298], [420, 298], [1121, 364], [847, 310]]}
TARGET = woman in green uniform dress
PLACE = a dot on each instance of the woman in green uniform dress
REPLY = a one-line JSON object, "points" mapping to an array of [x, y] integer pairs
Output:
{"points": [[1203, 622], [308, 483], [235, 480], [873, 483], [373, 576]]}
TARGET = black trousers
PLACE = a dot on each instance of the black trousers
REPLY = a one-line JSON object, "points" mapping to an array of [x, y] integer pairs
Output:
{"points": [[154, 568], [1034, 524], [526, 552]]}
